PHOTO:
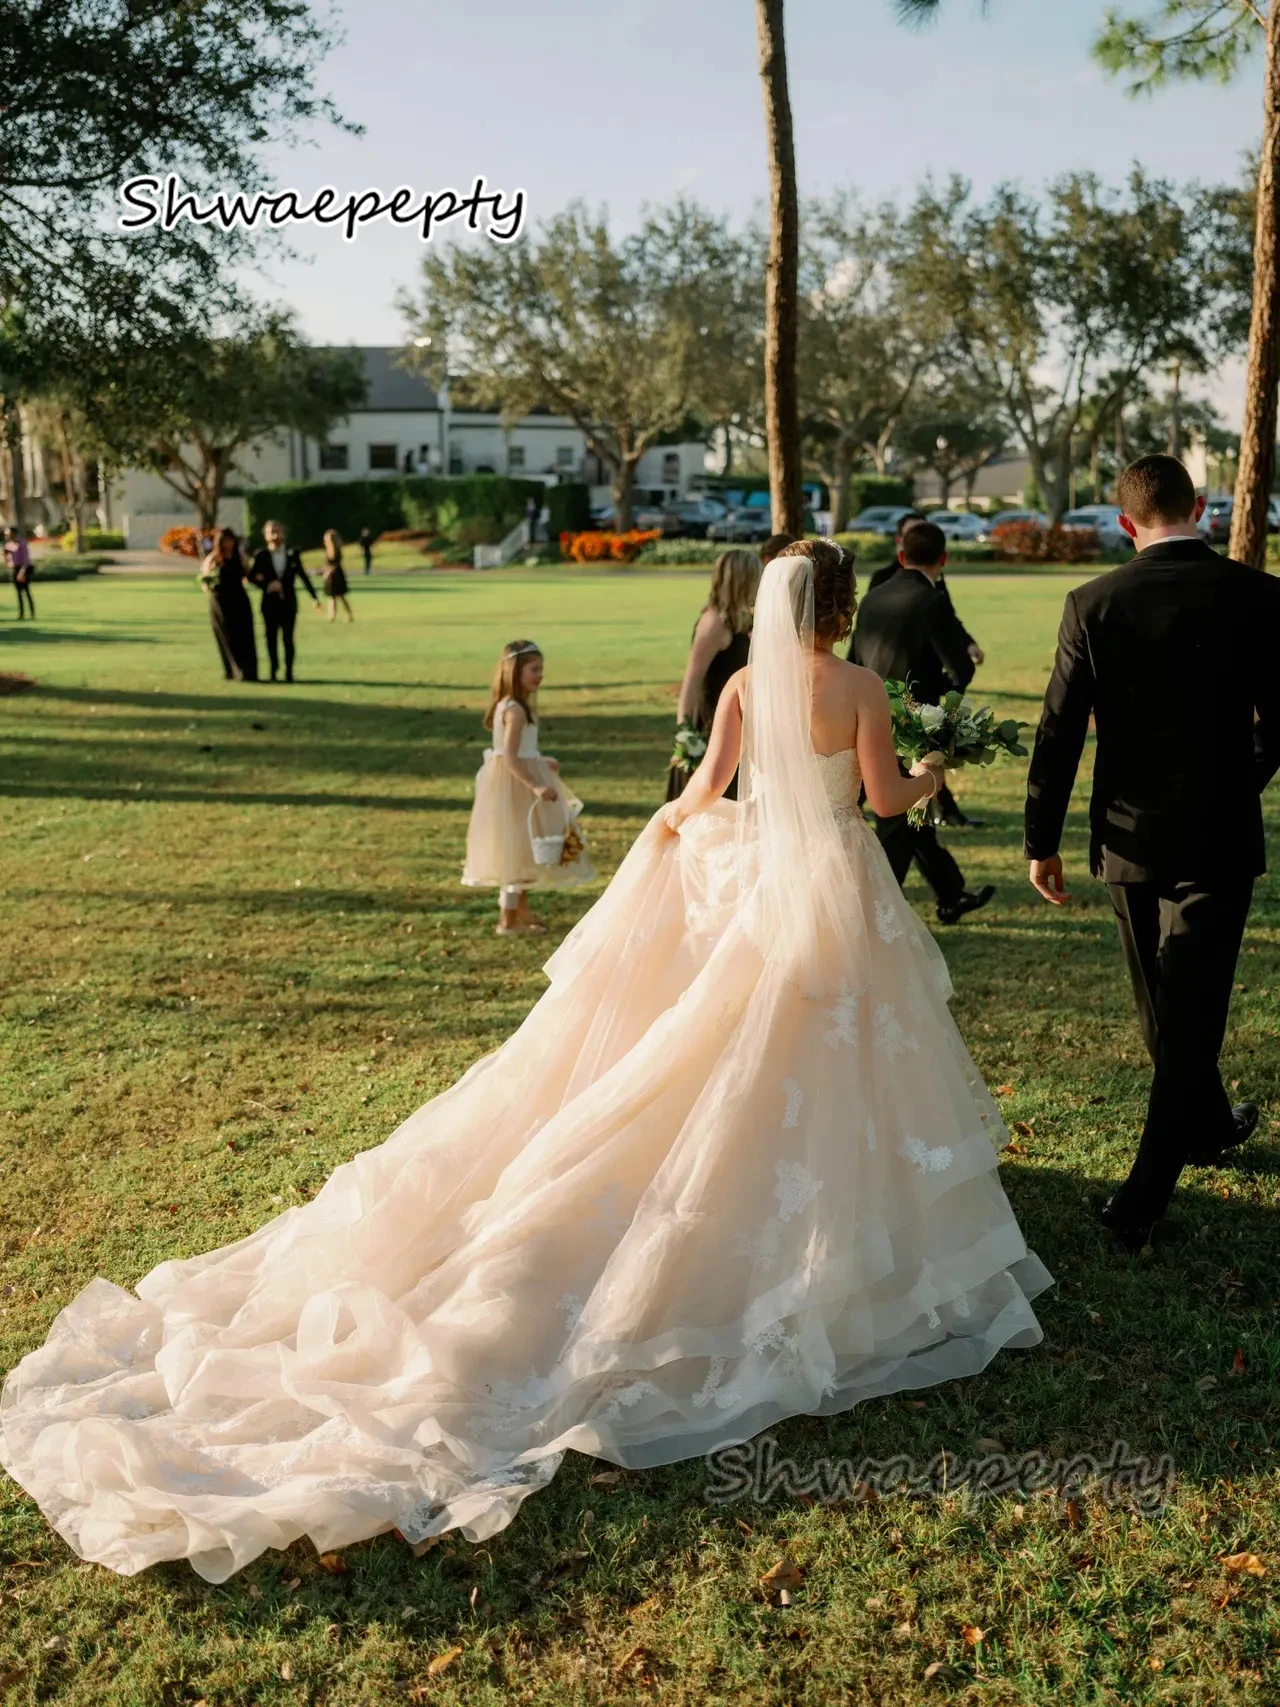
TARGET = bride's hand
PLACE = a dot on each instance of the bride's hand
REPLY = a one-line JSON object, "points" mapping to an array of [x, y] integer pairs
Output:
{"points": [[671, 817], [932, 764]]}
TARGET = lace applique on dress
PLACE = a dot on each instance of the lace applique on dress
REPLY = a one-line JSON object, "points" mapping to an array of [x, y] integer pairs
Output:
{"points": [[796, 1187], [889, 925], [928, 1161], [711, 1392], [625, 1398], [844, 1019], [795, 1102], [890, 1037], [926, 1295], [871, 1136], [512, 1399], [571, 1304]]}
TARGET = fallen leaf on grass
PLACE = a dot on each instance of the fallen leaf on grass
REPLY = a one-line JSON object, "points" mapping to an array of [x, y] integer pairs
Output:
{"points": [[781, 1580], [650, 1605], [635, 1660], [1238, 1363], [973, 1637], [939, 1670], [986, 1443], [607, 1479], [744, 1526], [1013, 1148], [1075, 1515], [294, 1582], [1206, 1383], [15, 1675], [903, 1631], [1155, 1664], [1024, 1129], [443, 1661], [255, 1593], [286, 1673], [913, 1404], [1244, 1564], [1004, 1090], [333, 1563]]}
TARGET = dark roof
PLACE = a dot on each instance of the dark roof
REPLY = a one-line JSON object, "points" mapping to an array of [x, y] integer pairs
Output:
{"points": [[392, 386]]}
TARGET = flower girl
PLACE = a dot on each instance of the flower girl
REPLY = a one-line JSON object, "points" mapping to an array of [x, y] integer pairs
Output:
{"points": [[513, 778]]}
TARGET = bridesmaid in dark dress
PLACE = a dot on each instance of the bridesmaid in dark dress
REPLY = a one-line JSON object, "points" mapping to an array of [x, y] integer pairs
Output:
{"points": [[335, 576], [230, 613], [721, 642]]}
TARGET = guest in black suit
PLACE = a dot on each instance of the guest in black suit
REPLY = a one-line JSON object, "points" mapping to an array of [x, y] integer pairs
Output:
{"points": [[947, 808], [1177, 658], [277, 569], [905, 632], [366, 547]]}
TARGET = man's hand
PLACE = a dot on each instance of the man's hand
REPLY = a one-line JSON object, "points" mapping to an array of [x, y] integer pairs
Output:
{"points": [[976, 653], [1047, 880], [275, 586]]}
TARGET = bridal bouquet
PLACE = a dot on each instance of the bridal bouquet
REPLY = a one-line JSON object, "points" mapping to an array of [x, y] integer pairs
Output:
{"points": [[690, 745], [962, 734]]}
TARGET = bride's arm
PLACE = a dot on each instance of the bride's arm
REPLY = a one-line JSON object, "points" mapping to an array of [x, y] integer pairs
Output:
{"points": [[724, 749], [889, 793]]}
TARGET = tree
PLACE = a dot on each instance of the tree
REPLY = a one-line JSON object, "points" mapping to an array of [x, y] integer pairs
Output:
{"points": [[1091, 282], [1212, 38], [954, 432], [225, 392], [604, 332], [867, 335], [95, 94], [781, 310]]}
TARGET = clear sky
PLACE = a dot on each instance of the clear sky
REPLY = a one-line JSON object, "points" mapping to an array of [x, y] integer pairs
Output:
{"points": [[623, 104]]}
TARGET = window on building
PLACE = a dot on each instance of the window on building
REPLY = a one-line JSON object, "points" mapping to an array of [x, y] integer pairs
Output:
{"points": [[335, 456], [565, 456], [515, 456], [384, 456], [671, 468]]}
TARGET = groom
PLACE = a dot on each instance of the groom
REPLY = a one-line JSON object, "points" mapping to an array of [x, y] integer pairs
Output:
{"points": [[1176, 657]]}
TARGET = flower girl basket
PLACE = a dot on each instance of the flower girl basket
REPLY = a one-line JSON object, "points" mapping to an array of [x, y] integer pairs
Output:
{"points": [[549, 848]]}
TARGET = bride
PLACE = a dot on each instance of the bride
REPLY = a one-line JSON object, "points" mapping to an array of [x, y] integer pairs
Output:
{"points": [[735, 1166]]}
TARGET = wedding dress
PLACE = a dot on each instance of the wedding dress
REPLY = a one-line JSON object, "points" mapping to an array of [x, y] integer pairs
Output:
{"points": [[735, 1166]]}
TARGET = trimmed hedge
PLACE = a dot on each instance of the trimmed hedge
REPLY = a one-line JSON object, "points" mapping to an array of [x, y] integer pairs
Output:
{"points": [[866, 490], [436, 505], [568, 509], [66, 565]]}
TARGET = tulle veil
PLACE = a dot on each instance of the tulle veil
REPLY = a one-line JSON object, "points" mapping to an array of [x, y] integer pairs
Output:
{"points": [[790, 853]]}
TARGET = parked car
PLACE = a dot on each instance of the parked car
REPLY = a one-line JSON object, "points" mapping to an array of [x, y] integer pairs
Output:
{"points": [[748, 525], [692, 518], [1100, 519], [961, 524], [1215, 524], [1017, 518], [881, 519]]}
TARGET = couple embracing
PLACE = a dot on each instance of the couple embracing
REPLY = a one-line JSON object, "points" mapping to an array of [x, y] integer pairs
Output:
{"points": [[736, 1165]]}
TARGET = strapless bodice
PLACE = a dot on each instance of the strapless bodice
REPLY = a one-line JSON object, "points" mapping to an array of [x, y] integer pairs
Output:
{"points": [[842, 780]]}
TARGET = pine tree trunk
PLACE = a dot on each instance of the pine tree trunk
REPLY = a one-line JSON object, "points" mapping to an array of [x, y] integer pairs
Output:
{"points": [[1175, 413], [1258, 439], [13, 438], [781, 404], [842, 475]]}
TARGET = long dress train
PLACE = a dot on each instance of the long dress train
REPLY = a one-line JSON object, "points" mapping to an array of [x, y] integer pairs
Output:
{"points": [[732, 1168]]}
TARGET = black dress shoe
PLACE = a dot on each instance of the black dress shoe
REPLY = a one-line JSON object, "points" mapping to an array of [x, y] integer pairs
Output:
{"points": [[957, 820], [1133, 1235], [1245, 1123], [951, 912]]}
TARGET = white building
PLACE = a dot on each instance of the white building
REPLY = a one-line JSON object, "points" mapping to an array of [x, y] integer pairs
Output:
{"points": [[405, 427]]}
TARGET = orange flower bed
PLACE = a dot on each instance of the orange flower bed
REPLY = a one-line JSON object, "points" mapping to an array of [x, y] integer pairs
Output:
{"points": [[181, 542], [1027, 542], [596, 547]]}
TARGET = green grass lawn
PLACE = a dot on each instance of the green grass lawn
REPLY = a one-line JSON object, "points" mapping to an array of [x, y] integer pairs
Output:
{"points": [[235, 952]]}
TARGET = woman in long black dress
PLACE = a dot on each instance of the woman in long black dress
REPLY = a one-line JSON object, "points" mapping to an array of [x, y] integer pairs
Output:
{"points": [[721, 642], [335, 576], [230, 613]]}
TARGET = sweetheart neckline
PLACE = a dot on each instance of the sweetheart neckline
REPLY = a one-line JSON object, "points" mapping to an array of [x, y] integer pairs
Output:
{"points": [[844, 751]]}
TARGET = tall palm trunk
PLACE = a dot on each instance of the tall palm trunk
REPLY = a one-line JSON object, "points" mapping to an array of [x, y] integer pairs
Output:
{"points": [[1258, 438], [781, 405]]}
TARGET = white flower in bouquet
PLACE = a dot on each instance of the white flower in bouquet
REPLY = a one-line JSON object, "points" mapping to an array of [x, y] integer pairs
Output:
{"points": [[932, 717], [962, 734]]}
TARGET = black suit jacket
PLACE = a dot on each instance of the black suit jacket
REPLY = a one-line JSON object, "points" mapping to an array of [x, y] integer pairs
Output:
{"points": [[907, 632], [888, 570], [263, 573], [1177, 658]]}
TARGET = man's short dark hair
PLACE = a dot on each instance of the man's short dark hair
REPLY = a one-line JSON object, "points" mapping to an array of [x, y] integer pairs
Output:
{"points": [[908, 521], [1156, 491], [775, 543], [924, 544]]}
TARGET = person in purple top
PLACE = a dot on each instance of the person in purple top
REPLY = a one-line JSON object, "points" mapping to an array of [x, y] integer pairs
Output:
{"points": [[18, 558]]}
